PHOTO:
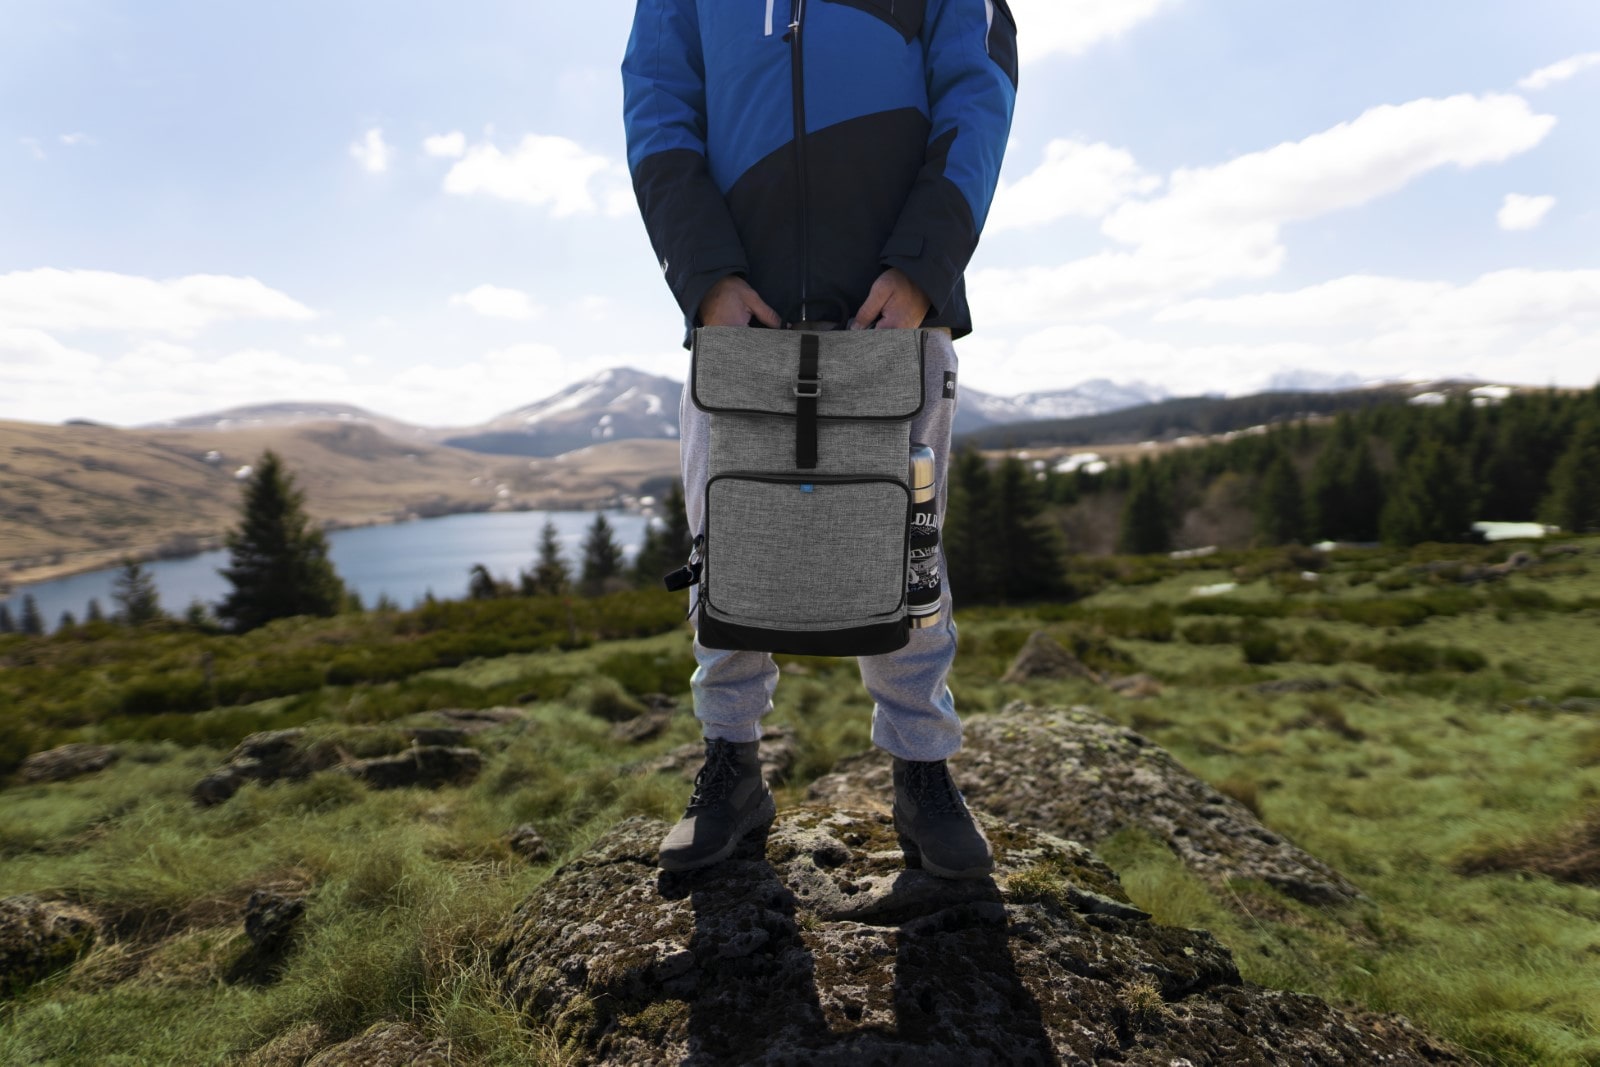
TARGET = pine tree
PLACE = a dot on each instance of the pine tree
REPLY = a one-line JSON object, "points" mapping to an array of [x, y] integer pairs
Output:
{"points": [[198, 616], [968, 533], [666, 546], [1363, 497], [1574, 500], [1431, 499], [68, 621], [32, 622], [1147, 516], [94, 614], [550, 575], [8, 625], [481, 585], [134, 593], [1280, 515], [1029, 552], [279, 564], [602, 558]]}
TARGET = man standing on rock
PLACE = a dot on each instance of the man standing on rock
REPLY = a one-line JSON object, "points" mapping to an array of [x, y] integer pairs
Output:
{"points": [[832, 160]]}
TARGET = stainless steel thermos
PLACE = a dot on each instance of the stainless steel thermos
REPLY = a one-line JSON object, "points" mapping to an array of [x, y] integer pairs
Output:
{"points": [[924, 583]]}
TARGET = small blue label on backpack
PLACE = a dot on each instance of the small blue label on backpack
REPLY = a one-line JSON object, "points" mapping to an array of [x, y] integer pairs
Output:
{"points": [[807, 487]]}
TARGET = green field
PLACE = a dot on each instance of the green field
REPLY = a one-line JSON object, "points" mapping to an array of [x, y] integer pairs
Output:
{"points": [[1451, 769]]}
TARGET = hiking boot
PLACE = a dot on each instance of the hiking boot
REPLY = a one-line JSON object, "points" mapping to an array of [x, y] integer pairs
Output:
{"points": [[730, 799], [934, 824]]}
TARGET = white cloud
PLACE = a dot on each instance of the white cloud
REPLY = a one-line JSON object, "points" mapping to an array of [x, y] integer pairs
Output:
{"points": [[1221, 223], [1520, 212], [72, 140], [1071, 27], [1498, 301], [372, 152], [446, 145], [1351, 164], [498, 303], [543, 171], [68, 300], [1075, 180], [1545, 77], [35, 149], [44, 381], [323, 340]]}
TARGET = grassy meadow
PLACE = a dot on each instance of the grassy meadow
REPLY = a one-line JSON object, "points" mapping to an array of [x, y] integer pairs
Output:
{"points": [[1448, 763]]}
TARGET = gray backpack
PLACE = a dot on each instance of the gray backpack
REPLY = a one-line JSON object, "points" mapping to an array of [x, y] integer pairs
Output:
{"points": [[808, 509]]}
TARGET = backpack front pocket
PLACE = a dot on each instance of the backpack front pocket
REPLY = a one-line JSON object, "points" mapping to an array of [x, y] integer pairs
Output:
{"points": [[805, 553]]}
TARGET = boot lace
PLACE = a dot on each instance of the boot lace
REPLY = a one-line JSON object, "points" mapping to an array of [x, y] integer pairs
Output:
{"points": [[932, 788], [718, 776]]}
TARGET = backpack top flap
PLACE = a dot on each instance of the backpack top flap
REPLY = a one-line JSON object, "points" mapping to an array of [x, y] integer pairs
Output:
{"points": [[860, 374]]}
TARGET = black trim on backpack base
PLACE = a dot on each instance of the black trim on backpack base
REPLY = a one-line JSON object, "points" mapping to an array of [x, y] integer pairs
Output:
{"points": [[873, 640]]}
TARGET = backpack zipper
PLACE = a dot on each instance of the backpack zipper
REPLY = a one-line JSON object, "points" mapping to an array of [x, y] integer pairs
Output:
{"points": [[797, 12]]}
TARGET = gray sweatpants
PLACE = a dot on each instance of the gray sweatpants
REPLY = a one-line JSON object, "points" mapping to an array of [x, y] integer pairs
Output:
{"points": [[913, 715]]}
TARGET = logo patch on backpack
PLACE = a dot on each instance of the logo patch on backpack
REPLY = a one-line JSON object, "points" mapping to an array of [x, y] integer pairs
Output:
{"points": [[949, 385]]}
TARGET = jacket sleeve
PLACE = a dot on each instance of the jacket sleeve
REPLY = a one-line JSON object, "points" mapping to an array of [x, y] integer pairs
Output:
{"points": [[971, 48], [664, 112]]}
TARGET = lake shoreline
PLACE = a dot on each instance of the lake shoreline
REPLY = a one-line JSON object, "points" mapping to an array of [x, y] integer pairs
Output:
{"points": [[76, 563]]}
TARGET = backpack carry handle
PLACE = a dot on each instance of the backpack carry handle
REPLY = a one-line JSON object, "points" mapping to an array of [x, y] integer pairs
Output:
{"points": [[800, 322]]}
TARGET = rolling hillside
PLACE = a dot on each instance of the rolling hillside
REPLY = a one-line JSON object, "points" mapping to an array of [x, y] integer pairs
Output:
{"points": [[77, 496]]}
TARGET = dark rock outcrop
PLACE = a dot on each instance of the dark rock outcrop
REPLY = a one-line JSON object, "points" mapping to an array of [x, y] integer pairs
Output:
{"points": [[1084, 777], [814, 945], [428, 766], [264, 757], [1044, 657], [66, 761], [38, 938], [273, 755], [527, 842], [270, 918]]}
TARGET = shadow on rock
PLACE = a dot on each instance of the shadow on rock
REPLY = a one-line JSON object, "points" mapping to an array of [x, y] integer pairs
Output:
{"points": [[816, 946]]}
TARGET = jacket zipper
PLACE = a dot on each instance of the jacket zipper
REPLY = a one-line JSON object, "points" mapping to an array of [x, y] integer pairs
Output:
{"points": [[797, 81]]}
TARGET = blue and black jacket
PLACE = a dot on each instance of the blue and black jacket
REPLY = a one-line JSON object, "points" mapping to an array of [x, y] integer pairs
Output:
{"points": [[810, 144]]}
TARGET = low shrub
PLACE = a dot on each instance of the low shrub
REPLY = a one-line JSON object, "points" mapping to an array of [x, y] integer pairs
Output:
{"points": [[1415, 657], [1314, 645], [641, 672], [1210, 632], [606, 699], [1227, 605], [1152, 622], [1260, 644]]}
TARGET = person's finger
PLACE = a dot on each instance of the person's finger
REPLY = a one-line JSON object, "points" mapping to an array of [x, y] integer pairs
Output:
{"points": [[877, 298], [759, 308]]}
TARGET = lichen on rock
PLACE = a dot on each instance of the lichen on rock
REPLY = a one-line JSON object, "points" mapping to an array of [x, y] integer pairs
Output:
{"points": [[1082, 776], [40, 937], [814, 944]]}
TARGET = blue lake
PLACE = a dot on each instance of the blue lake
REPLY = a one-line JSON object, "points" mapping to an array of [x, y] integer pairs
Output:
{"points": [[404, 561]]}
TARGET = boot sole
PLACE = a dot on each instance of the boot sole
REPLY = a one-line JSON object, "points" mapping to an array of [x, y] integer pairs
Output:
{"points": [[915, 859], [760, 815]]}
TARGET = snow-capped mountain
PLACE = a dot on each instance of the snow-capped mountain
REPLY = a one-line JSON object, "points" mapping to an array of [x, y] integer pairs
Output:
{"points": [[289, 413], [1096, 397], [1313, 381], [614, 405]]}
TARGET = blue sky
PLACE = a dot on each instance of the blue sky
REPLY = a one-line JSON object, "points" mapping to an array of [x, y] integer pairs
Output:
{"points": [[422, 209]]}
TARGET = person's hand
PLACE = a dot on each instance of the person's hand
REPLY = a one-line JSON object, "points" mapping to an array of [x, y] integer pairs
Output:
{"points": [[731, 302], [894, 303]]}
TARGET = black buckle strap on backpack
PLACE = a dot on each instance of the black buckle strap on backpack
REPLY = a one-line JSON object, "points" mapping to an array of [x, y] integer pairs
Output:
{"points": [[807, 391]]}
